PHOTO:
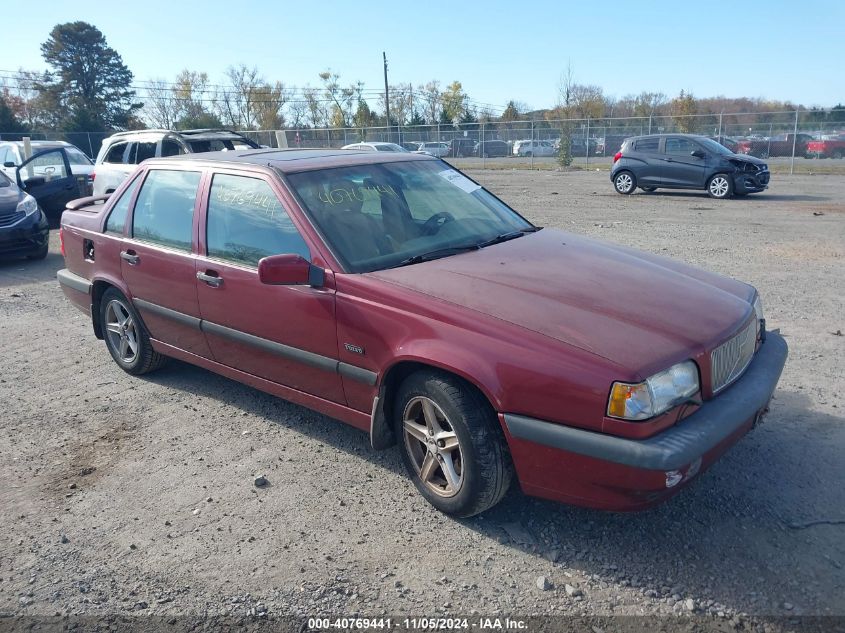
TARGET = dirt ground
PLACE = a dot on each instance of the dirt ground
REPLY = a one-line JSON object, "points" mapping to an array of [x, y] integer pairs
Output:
{"points": [[125, 495]]}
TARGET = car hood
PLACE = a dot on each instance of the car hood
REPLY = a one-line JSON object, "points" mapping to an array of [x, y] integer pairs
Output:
{"points": [[746, 158], [9, 198], [635, 309]]}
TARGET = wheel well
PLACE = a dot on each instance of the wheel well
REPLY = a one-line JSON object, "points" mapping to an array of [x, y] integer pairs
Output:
{"points": [[97, 292], [382, 435]]}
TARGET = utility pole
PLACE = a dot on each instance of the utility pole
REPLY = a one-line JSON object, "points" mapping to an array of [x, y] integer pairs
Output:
{"points": [[386, 95]]}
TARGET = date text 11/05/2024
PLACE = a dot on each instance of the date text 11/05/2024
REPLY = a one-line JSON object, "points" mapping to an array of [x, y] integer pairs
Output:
{"points": [[421, 623]]}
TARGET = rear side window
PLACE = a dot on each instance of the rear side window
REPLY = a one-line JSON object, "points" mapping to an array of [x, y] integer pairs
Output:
{"points": [[144, 151], [647, 144], [171, 148], [246, 222], [115, 153], [164, 211], [117, 217]]}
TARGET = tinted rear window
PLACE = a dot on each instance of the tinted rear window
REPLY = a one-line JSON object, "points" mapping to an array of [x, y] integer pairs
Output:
{"points": [[647, 144]]}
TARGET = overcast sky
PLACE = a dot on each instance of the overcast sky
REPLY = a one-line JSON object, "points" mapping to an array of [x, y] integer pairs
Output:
{"points": [[498, 50]]}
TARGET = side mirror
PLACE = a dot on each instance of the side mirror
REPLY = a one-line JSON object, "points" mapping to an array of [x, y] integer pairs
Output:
{"points": [[9, 164], [698, 153], [289, 270]]}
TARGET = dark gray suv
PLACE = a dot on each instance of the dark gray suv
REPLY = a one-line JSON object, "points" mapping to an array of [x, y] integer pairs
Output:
{"points": [[686, 161]]}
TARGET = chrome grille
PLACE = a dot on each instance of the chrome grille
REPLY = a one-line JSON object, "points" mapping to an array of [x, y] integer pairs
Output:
{"points": [[730, 359], [8, 218]]}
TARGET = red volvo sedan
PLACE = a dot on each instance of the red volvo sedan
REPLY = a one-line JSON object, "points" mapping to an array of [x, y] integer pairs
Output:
{"points": [[394, 293]]}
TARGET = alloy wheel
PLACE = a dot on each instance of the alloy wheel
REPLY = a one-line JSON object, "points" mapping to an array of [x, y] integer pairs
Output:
{"points": [[624, 183], [433, 446], [121, 330], [719, 187]]}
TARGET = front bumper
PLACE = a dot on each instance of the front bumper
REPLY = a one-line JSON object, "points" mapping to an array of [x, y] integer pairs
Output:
{"points": [[751, 182], [26, 237], [613, 473]]}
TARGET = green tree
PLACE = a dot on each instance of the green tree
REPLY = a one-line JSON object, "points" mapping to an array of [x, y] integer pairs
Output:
{"points": [[9, 123], [93, 86], [683, 108], [453, 100], [511, 112]]}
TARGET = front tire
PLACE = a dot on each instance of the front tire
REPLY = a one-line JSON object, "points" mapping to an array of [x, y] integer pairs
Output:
{"points": [[720, 187], [41, 253], [451, 444], [625, 182], [126, 336]]}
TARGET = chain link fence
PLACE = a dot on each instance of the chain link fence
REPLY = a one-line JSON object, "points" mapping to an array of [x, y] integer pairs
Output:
{"points": [[791, 141]]}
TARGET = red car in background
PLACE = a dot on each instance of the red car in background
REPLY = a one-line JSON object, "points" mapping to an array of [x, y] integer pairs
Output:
{"points": [[394, 293], [832, 146]]}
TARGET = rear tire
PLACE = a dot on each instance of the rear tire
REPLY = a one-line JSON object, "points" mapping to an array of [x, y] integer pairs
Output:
{"points": [[624, 182], [451, 443], [126, 336], [837, 154], [720, 187]]}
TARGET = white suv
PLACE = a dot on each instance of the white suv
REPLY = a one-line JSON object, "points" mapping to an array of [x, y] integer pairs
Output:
{"points": [[121, 152], [533, 148]]}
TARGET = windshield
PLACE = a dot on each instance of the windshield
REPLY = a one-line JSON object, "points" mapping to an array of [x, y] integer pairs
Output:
{"points": [[713, 146], [383, 215], [76, 157]]}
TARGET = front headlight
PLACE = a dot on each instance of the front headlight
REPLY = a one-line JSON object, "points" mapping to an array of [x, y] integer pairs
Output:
{"points": [[758, 314], [28, 205], [656, 395]]}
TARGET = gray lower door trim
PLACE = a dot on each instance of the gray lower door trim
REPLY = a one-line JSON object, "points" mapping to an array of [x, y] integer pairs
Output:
{"points": [[285, 351], [357, 373], [179, 317], [681, 444], [74, 281], [353, 372]]}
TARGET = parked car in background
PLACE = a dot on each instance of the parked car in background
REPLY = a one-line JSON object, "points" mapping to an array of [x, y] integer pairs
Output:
{"points": [[434, 149], [12, 155], [828, 146], [528, 147], [24, 230], [461, 147], [727, 142], [397, 295], [121, 152], [686, 161], [780, 145], [491, 147], [375, 147]]}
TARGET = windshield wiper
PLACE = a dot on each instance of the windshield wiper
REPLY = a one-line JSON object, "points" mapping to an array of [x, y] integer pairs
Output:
{"points": [[504, 237], [437, 254], [454, 250]]}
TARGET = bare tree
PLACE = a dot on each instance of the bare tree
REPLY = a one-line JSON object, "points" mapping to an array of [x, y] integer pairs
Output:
{"points": [[340, 98], [429, 94], [236, 102], [161, 106]]}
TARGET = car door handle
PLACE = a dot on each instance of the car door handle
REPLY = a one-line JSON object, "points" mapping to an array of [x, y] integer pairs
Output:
{"points": [[130, 257], [211, 278]]}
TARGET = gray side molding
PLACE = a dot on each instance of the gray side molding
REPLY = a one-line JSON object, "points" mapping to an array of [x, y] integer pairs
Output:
{"points": [[179, 317], [678, 446], [74, 281]]}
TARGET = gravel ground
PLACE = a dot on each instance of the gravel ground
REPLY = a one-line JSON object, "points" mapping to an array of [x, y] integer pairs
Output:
{"points": [[127, 495]]}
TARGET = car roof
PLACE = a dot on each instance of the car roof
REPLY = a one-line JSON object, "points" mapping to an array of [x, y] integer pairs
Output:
{"points": [[198, 134], [42, 143], [291, 160], [634, 138]]}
